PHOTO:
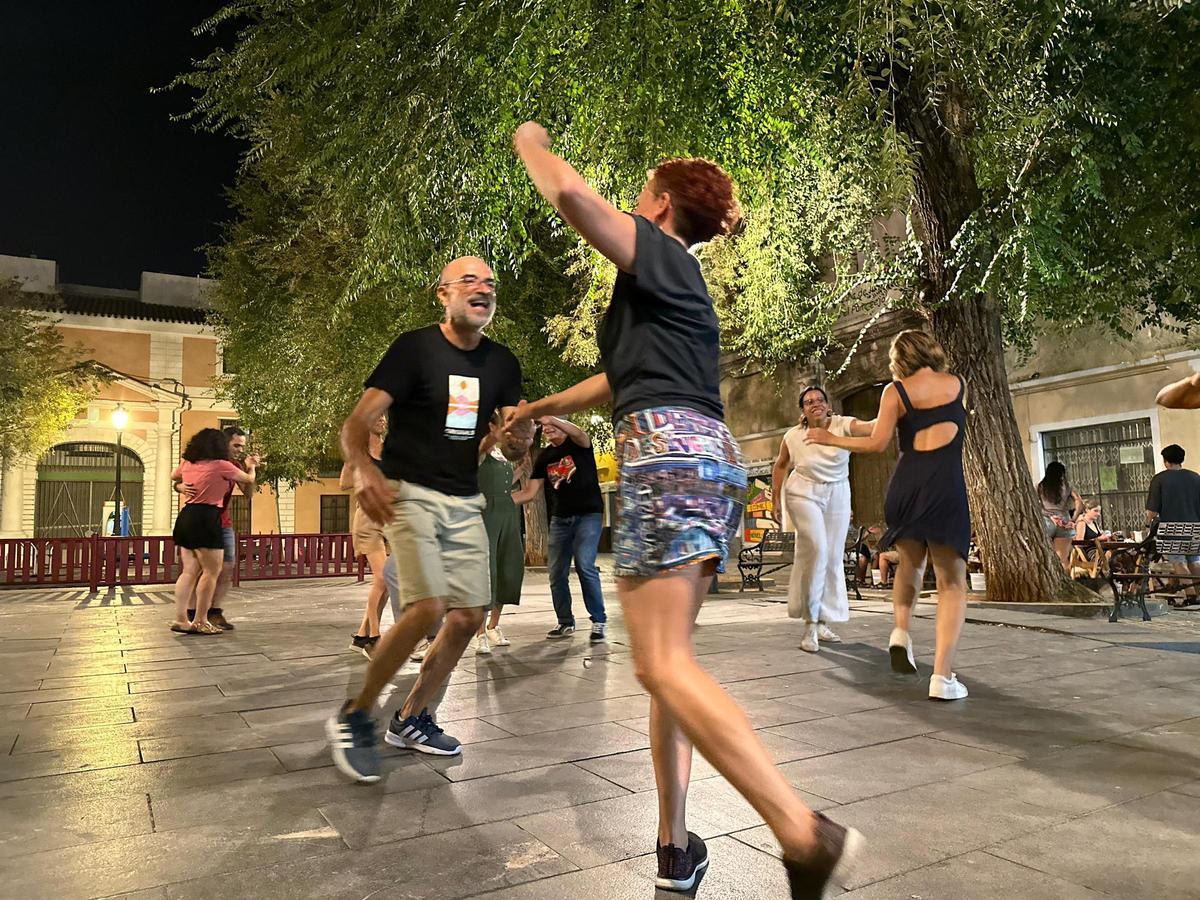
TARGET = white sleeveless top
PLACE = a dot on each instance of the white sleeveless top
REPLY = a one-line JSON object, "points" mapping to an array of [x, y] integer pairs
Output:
{"points": [[818, 462]]}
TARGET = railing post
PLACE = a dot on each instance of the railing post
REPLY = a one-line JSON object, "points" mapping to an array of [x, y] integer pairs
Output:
{"points": [[362, 569], [94, 575], [237, 560]]}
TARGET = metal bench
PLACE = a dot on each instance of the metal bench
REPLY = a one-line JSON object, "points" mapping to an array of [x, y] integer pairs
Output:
{"points": [[854, 538], [1139, 580], [775, 551]]}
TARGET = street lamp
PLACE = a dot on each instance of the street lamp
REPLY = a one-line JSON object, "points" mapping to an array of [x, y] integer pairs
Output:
{"points": [[120, 419]]}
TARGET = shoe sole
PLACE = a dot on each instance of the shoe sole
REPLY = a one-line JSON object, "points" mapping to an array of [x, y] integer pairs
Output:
{"points": [[810, 649], [339, 756], [851, 849], [402, 744], [937, 699], [901, 661], [559, 637], [680, 885]]}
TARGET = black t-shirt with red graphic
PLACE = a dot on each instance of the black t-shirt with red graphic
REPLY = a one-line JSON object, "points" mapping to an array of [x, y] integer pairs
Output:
{"points": [[572, 485]]}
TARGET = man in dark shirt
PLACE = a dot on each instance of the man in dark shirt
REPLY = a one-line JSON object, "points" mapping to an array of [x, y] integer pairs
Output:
{"points": [[439, 387], [1175, 497], [568, 470]]}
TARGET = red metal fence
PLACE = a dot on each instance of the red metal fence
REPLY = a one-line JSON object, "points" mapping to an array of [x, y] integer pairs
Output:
{"points": [[110, 561]]}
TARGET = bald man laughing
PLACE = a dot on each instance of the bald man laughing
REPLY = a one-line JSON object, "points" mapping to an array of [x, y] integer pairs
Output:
{"points": [[439, 387]]}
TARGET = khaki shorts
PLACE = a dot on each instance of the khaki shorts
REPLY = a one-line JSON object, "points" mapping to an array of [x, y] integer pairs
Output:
{"points": [[440, 546], [367, 535]]}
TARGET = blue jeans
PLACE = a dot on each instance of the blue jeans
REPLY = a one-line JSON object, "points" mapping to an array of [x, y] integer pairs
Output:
{"points": [[576, 537]]}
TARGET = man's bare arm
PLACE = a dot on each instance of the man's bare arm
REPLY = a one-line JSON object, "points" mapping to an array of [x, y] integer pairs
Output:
{"points": [[1183, 394]]}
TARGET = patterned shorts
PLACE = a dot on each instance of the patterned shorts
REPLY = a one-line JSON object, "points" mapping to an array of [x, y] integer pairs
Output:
{"points": [[682, 487]]}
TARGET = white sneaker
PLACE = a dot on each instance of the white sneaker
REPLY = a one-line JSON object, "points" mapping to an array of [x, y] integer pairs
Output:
{"points": [[420, 650], [809, 643], [900, 650], [825, 633], [941, 688], [481, 644], [496, 636]]}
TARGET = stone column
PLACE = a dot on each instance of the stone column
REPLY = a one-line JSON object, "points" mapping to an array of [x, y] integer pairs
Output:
{"points": [[12, 487], [286, 501], [164, 464]]}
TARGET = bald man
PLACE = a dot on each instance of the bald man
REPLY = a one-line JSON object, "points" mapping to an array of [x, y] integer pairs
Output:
{"points": [[439, 387]]}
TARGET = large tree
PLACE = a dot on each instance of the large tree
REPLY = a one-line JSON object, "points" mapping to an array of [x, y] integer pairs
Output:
{"points": [[44, 382], [1043, 155]]}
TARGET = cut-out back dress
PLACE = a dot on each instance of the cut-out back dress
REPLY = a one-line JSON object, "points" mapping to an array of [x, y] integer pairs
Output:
{"points": [[927, 496]]}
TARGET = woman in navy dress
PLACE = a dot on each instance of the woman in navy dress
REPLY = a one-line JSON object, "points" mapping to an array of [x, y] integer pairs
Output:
{"points": [[926, 506]]}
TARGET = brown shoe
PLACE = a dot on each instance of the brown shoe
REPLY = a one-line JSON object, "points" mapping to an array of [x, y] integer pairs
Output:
{"points": [[218, 618], [829, 864]]}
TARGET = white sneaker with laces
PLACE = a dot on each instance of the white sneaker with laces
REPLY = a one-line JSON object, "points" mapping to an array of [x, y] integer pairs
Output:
{"points": [[825, 633], [496, 636], [942, 688], [809, 643], [481, 644], [420, 650], [900, 650]]}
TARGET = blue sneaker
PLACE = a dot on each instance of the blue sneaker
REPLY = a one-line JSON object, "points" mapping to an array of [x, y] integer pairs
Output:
{"points": [[352, 744], [422, 734]]}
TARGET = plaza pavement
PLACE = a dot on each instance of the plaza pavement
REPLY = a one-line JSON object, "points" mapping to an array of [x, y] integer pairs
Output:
{"points": [[145, 764]]}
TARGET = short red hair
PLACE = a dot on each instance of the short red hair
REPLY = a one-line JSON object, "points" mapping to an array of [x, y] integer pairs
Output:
{"points": [[702, 195]]}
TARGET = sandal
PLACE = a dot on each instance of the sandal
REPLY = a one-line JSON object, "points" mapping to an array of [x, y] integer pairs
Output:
{"points": [[182, 629], [207, 628]]}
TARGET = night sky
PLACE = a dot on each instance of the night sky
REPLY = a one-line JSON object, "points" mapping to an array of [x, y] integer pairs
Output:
{"points": [[93, 173]]}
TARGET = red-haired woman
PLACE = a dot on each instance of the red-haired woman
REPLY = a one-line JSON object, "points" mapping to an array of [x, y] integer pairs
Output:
{"points": [[682, 486]]}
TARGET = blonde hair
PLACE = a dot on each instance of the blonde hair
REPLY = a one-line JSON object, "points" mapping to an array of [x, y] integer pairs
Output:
{"points": [[912, 350]]}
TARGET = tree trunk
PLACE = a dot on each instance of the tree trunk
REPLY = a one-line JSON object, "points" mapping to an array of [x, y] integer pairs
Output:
{"points": [[537, 531], [1018, 560]]}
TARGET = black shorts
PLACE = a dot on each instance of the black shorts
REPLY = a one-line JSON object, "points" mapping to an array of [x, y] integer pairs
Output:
{"points": [[198, 527]]}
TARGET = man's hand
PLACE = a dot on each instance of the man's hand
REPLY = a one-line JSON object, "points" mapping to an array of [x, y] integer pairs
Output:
{"points": [[374, 495], [517, 435], [532, 132], [253, 461], [186, 489]]}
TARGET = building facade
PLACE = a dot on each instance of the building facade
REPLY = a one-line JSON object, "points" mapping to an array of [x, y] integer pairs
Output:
{"points": [[164, 360]]}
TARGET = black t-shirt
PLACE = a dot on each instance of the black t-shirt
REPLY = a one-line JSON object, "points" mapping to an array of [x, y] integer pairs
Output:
{"points": [[442, 399], [1175, 495], [659, 341], [572, 484]]}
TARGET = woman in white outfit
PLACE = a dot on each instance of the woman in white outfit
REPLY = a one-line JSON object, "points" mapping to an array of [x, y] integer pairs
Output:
{"points": [[817, 498]]}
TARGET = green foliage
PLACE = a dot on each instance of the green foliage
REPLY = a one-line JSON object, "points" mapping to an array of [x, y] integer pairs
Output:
{"points": [[43, 384], [379, 139]]}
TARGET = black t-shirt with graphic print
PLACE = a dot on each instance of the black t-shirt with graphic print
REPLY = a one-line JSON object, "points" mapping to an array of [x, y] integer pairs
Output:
{"points": [[572, 484], [442, 399], [659, 341]]}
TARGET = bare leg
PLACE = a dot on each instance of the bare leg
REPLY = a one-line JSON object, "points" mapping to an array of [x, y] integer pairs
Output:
{"points": [[444, 654], [1062, 546], [906, 586], [672, 754], [494, 618], [376, 598], [394, 648], [206, 586], [224, 583], [659, 614], [185, 585], [951, 572]]}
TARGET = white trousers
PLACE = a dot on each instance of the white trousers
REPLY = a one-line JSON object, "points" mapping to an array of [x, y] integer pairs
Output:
{"points": [[820, 515]]}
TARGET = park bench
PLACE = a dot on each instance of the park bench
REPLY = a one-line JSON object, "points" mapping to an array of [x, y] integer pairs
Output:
{"points": [[1133, 576], [777, 550]]}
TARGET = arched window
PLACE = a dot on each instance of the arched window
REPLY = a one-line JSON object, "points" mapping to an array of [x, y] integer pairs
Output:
{"points": [[76, 489]]}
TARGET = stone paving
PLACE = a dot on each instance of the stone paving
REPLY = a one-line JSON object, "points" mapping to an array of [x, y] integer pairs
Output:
{"points": [[150, 765]]}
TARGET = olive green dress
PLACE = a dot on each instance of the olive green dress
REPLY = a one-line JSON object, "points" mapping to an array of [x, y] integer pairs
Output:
{"points": [[503, 522]]}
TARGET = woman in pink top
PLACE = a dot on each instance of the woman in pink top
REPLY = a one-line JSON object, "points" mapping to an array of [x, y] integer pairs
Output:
{"points": [[206, 467]]}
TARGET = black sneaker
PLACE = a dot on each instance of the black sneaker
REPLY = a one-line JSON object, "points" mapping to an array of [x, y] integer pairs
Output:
{"points": [[558, 632], [422, 734], [829, 864], [352, 744], [681, 870], [597, 635], [217, 617], [360, 643]]}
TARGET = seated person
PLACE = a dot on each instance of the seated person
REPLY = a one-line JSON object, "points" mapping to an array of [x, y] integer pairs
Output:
{"points": [[888, 560], [866, 555]]}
